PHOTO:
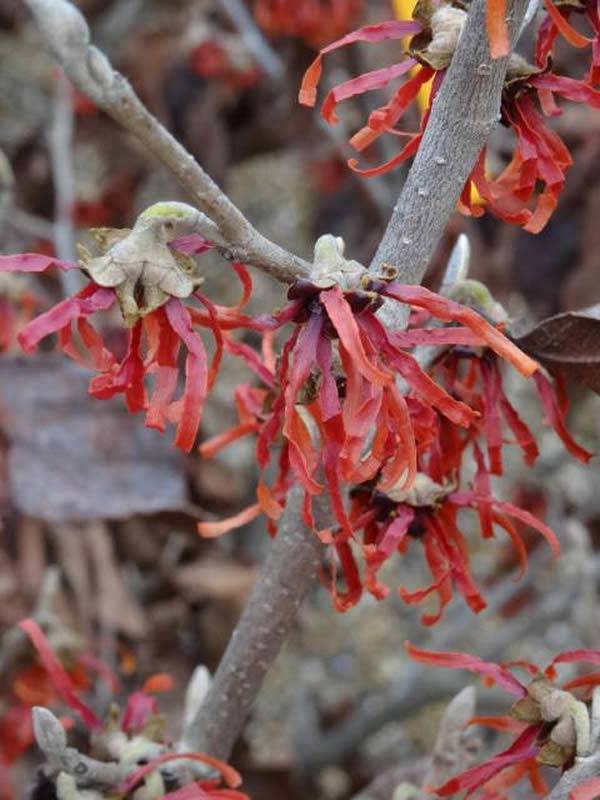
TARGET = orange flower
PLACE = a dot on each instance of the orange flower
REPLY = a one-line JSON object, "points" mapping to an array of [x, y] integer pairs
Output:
{"points": [[315, 21]]}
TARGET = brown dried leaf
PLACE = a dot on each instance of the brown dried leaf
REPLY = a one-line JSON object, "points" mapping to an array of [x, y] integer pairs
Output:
{"points": [[31, 556], [568, 343], [116, 608], [72, 457], [215, 579], [73, 560]]}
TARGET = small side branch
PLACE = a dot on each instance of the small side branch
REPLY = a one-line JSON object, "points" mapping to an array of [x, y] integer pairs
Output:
{"points": [[241, 18], [68, 35], [60, 145], [52, 741]]}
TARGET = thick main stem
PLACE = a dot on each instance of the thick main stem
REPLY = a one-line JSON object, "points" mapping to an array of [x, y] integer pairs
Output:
{"points": [[285, 578]]}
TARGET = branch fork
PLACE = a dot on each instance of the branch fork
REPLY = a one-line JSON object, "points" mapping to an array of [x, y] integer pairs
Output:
{"points": [[463, 114]]}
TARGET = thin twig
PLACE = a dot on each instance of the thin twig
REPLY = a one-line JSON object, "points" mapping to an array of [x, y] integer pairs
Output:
{"points": [[264, 55], [60, 145], [68, 35], [52, 741], [7, 185]]}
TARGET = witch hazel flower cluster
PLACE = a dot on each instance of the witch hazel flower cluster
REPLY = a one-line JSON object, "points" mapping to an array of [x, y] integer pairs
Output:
{"points": [[345, 409], [550, 720], [151, 275], [131, 754], [348, 410], [526, 191]]}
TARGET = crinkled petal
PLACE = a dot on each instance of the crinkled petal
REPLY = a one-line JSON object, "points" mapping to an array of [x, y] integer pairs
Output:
{"points": [[377, 79], [522, 433], [348, 330], [58, 675], [139, 709], [503, 723], [86, 302], [450, 311], [572, 36], [33, 262], [212, 530], [345, 600], [492, 421], [371, 33], [522, 749], [196, 375], [581, 656], [383, 119], [396, 531], [497, 29], [471, 499], [218, 335], [453, 660], [556, 418], [251, 358]]}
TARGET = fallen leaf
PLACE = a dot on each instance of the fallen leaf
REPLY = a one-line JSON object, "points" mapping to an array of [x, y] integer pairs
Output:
{"points": [[568, 343], [72, 457]]}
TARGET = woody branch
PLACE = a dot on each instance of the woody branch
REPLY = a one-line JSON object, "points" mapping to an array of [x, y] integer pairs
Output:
{"points": [[462, 118], [68, 36]]}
